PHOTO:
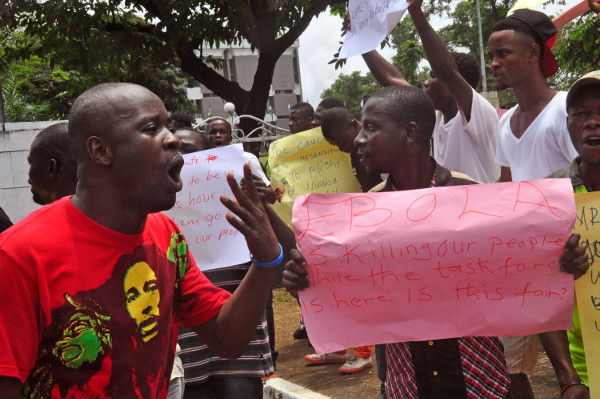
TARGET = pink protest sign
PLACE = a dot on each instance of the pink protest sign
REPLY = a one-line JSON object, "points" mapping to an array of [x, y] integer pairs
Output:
{"points": [[479, 260]]}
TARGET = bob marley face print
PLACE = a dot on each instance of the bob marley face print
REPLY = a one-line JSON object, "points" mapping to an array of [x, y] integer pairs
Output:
{"points": [[115, 340], [143, 298], [81, 342], [85, 337], [75, 347]]}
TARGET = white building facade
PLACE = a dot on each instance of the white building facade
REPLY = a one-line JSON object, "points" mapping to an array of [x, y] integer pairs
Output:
{"points": [[239, 65]]}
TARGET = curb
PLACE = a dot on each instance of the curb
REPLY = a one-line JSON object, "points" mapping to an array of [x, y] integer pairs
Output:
{"points": [[279, 388]]}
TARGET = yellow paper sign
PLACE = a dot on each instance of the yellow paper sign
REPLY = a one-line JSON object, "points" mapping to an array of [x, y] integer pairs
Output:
{"points": [[305, 163], [587, 288]]}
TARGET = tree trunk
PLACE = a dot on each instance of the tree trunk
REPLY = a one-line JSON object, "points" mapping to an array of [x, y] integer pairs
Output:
{"points": [[259, 95]]}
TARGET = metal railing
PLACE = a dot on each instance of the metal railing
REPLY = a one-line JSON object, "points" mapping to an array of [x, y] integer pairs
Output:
{"points": [[265, 132]]}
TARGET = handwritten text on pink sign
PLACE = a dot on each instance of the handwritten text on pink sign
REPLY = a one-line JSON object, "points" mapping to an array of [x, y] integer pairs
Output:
{"points": [[435, 263]]}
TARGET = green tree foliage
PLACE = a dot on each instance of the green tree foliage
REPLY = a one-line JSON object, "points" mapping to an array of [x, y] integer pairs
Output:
{"points": [[28, 86], [463, 31], [406, 41], [352, 89], [19, 108], [53, 81], [577, 49], [147, 37]]}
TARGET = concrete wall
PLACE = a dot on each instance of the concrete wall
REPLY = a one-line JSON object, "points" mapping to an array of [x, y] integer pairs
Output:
{"points": [[15, 194], [283, 75], [245, 69], [281, 102]]}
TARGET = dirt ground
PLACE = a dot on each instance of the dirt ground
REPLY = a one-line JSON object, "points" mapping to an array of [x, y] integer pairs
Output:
{"points": [[327, 380]]}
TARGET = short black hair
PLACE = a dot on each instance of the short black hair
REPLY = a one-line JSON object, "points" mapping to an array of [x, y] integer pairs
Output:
{"points": [[182, 118], [203, 136], [53, 142], [468, 67], [410, 104], [87, 117], [519, 27], [328, 103], [334, 118], [304, 107], [218, 119]]}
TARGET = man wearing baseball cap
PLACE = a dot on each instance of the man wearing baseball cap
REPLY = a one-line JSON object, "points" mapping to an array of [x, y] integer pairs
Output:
{"points": [[533, 139], [533, 142], [583, 122]]}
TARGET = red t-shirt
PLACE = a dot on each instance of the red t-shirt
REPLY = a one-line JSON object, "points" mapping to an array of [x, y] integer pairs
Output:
{"points": [[90, 312]]}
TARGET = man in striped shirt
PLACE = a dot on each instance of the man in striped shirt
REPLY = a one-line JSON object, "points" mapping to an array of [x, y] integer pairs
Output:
{"points": [[206, 374]]}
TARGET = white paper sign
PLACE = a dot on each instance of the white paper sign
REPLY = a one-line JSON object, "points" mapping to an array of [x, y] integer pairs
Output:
{"points": [[199, 213], [371, 21]]}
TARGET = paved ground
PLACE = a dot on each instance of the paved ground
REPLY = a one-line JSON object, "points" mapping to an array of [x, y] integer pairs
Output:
{"points": [[328, 381]]}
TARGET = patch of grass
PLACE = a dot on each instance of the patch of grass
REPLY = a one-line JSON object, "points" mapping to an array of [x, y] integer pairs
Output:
{"points": [[263, 160], [281, 295]]}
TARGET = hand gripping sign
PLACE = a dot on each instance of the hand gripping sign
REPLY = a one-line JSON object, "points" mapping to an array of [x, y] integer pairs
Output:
{"points": [[371, 21]]}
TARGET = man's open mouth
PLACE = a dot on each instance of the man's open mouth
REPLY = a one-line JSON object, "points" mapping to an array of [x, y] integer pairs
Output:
{"points": [[592, 141], [175, 169]]}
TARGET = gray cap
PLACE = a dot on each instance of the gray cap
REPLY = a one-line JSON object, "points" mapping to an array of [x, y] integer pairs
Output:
{"points": [[585, 80]]}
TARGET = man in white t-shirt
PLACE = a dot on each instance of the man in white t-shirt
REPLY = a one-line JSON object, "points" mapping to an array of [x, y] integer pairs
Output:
{"points": [[466, 130], [533, 142], [543, 146]]}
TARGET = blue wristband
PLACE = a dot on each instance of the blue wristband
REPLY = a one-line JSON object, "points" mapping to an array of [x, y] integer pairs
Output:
{"points": [[269, 264]]}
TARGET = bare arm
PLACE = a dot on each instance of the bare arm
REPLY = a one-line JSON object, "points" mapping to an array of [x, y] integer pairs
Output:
{"points": [[505, 174], [228, 333], [286, 238], [284, 234], [10, 387], [574, 261], [556, 346], [384, 71], [441, 60]]}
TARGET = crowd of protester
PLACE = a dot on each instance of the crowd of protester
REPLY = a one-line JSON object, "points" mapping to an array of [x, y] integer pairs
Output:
{"points": [[101, 297]]}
